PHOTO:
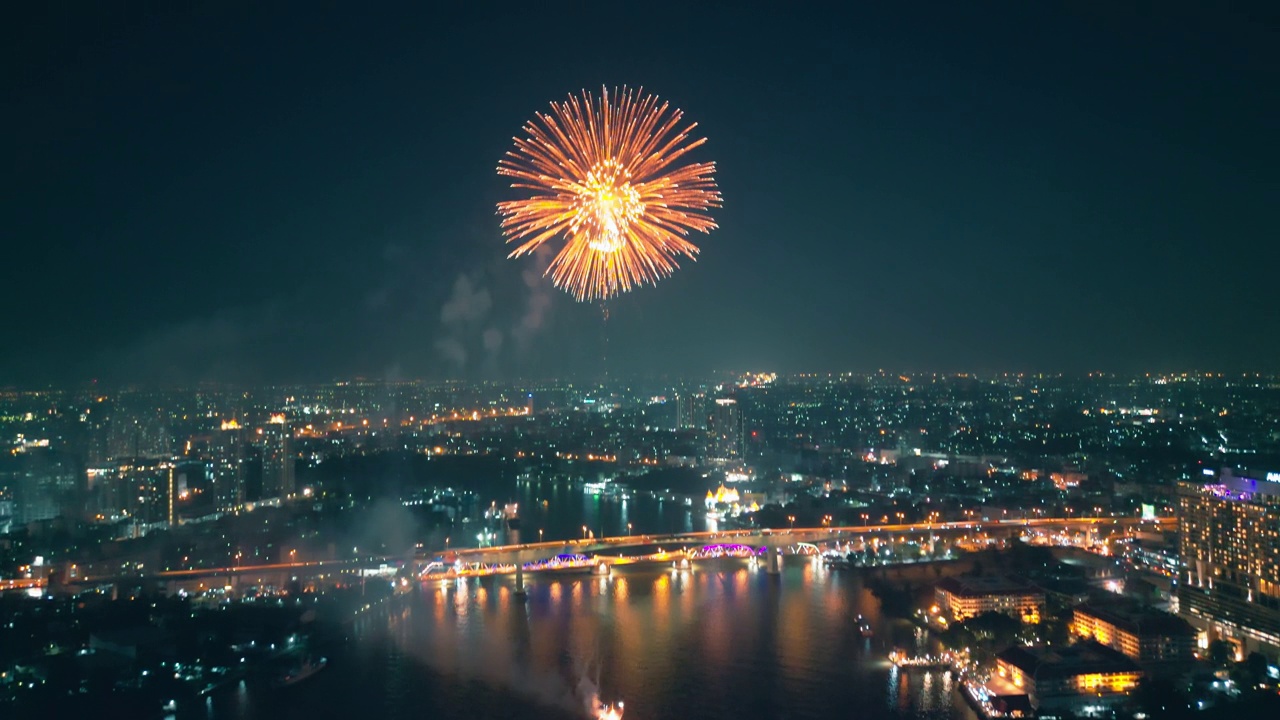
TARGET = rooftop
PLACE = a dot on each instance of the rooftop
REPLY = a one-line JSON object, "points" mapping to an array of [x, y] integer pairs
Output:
{"points": [[1138, 620], [1043, 662], [983, 586]]}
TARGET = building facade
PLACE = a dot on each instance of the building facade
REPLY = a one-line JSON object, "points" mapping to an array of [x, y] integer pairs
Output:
{"points": [[958, 599], [1149, 637], [1230, 550], [1083, 678], [689, 411], [724, 424]]}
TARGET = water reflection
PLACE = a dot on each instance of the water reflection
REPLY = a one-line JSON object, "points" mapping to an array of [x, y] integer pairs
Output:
{"points": [[721, 639]]}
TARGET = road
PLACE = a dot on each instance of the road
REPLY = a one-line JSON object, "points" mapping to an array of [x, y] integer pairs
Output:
{"points": [[530, 552]]}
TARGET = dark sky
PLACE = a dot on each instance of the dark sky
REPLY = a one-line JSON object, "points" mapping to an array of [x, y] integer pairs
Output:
{"points": [[297, 191]]}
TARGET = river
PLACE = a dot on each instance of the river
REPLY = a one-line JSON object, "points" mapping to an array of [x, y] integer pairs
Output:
{"points": [[723, 640]]}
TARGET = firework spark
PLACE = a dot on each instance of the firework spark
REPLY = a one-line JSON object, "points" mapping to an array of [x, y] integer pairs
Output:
{"points": [[601, 175]]}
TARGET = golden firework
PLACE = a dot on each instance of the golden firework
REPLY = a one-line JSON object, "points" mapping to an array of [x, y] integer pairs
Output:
{"points": [[602, 176]]}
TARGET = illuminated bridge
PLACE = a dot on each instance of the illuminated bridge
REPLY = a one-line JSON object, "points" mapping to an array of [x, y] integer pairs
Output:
{"points": [[795, 540], [571, 555]]}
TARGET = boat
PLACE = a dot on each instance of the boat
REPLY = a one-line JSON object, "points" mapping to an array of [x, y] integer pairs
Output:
{"points": [[597, 709], [864, 627], [606, 711], [304, 671]]}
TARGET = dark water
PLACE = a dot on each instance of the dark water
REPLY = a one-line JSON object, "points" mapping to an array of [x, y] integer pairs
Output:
{"points": [[724, 640], [566, 511], [562, 509]]}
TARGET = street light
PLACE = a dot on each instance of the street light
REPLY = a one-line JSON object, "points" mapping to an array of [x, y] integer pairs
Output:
{"points": [[628, 528], [539, 534], [792, 518], [584, 532]]}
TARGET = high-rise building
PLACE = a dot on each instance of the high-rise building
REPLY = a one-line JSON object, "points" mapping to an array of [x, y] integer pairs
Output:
{"points": [[139, 432], [724, 423], [145, 488], [41, 483], [229, 456], [278, 462], [288, 467], [1229, 543], [689, 411]]}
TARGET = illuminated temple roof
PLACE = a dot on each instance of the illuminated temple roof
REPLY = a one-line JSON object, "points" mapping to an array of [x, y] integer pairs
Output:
{"points": [[724, 495]]}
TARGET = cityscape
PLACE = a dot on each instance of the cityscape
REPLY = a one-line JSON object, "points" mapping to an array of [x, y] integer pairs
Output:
{"points": [[718, 361], [1117, 534]]}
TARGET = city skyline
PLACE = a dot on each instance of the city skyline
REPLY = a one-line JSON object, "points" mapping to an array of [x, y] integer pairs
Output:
{"points": [[1118, 530], [724, 360], [214, 193]]}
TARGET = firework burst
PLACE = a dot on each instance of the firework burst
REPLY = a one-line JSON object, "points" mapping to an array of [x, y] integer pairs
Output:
{"points": [[601, 173]]}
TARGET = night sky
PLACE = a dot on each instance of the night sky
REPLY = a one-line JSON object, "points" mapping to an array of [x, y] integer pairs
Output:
{"points": [[305, 191]]}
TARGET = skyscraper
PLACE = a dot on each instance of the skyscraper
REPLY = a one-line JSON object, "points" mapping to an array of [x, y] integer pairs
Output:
{"points": [[41, 484], [1230, 547], [229, 465], [278, 464], [724, 423], [689, 411]]}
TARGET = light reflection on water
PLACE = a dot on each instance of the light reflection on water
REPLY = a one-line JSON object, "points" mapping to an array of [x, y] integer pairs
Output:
{"points": [[721, 640]]}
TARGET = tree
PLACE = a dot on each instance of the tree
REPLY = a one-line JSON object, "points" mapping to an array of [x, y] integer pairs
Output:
{"points": [[1160, 697], [983, 636], [1255, 668], [1220, 653]]}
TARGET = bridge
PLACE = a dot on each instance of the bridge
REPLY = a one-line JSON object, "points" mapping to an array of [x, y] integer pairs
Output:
{"points": [[626, 549], [796, 541], [22, 584], [795, 536]]}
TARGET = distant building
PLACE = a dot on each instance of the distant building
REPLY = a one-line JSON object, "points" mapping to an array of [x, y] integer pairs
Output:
{"points": [[690, 412], [1150, 637], [143, 645], [278, 462], [724, 424], [1230, 549], [41, 484], [1068, 479], [960, 598], [146, 489], [229, 462], [1085, 678], [138, 432]]}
